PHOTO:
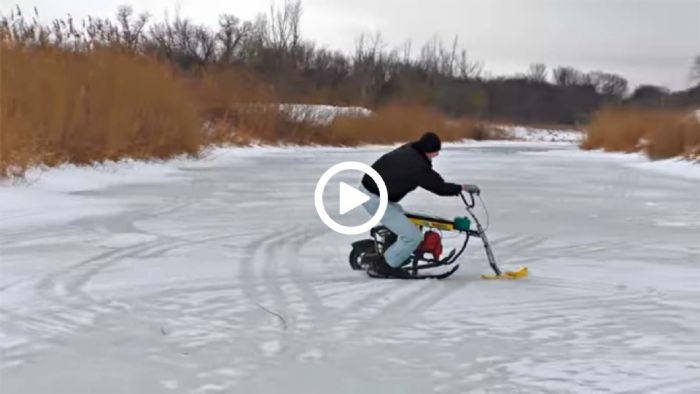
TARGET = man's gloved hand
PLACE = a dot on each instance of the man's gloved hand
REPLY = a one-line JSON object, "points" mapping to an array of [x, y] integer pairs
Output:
{"points": [[472, 189]]}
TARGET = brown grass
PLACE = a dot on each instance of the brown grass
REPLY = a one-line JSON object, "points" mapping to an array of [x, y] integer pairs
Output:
{"points": [[59, 106], [659, 133], [236, 105], [397, 123]]}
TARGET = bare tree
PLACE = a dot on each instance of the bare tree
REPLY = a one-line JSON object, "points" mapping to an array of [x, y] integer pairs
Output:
{"points": [[230, 37], [650, 95], [448, 58], [205, 45], [372, 66], [467, 68], [183, 42], [568, 76], [607, 84], [257, 38], [614, 86], [131, 29], [537, 72], [368, 51], [285, 29], [406, 51], [695, 70], [429, 56], [438, 60]]}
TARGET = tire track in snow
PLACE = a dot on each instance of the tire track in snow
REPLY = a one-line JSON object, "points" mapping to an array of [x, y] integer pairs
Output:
{"points": [[70, 308], [295, 282], [261, 283]]}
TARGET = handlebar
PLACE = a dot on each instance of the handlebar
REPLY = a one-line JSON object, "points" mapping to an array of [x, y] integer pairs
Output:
{"points": [[464, 199]]}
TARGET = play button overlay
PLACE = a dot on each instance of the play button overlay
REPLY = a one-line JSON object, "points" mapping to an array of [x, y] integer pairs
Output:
{"points": [[350, 198]]}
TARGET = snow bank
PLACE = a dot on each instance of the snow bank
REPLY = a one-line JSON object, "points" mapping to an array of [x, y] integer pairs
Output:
{"points": [[321, 114], [532, 134]]}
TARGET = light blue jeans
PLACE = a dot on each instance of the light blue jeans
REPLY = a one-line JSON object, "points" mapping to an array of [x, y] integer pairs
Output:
{"points": [[409, 236]]}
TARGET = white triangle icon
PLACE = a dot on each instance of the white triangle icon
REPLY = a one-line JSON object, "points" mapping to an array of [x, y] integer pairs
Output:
{"points": [[350, 198]]}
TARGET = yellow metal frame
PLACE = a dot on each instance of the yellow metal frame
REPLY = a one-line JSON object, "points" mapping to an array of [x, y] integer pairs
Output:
{"points": [[432, 224]]}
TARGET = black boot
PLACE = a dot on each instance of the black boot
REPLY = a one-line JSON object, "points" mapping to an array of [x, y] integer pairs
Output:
{"points": [[380, 266]]}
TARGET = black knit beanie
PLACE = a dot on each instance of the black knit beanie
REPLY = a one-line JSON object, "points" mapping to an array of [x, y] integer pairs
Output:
{"points": [[428, 143]]}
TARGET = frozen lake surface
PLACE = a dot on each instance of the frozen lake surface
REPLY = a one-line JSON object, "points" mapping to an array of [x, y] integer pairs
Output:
{"points": [[217, 276]]}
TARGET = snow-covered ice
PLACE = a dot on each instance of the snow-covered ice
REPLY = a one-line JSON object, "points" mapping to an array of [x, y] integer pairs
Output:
{"points": [[216, 276], [674, 167]]}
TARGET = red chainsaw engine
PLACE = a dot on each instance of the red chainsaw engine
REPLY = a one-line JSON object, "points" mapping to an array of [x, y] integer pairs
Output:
{"points": [[432, 243]]}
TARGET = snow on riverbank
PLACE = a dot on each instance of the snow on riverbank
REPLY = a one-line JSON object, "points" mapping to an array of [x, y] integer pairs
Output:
{"points": [[321, 114], [533, 134], [325, 114]]}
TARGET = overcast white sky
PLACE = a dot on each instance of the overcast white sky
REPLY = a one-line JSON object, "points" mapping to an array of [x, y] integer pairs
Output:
{"points": [[647, 41]]}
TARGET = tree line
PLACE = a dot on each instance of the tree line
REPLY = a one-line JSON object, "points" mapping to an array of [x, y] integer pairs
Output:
{"points": [[438, 74]]}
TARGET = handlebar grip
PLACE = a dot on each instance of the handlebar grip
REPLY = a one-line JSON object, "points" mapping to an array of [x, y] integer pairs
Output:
{"points": [[471, 197]]}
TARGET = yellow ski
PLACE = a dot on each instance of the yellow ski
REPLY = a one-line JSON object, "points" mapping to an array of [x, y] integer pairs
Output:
{"points": [[518, 274]]}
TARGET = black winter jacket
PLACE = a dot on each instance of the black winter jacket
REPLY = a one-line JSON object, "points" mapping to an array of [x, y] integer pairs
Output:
{"points": [[403, 170]]}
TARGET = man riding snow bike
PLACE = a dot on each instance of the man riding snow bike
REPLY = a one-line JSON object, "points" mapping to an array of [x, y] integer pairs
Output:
{"points": [[403, 170]]}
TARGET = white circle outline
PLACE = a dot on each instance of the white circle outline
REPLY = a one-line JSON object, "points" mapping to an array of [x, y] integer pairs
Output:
{"points": [[323, 182]]}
